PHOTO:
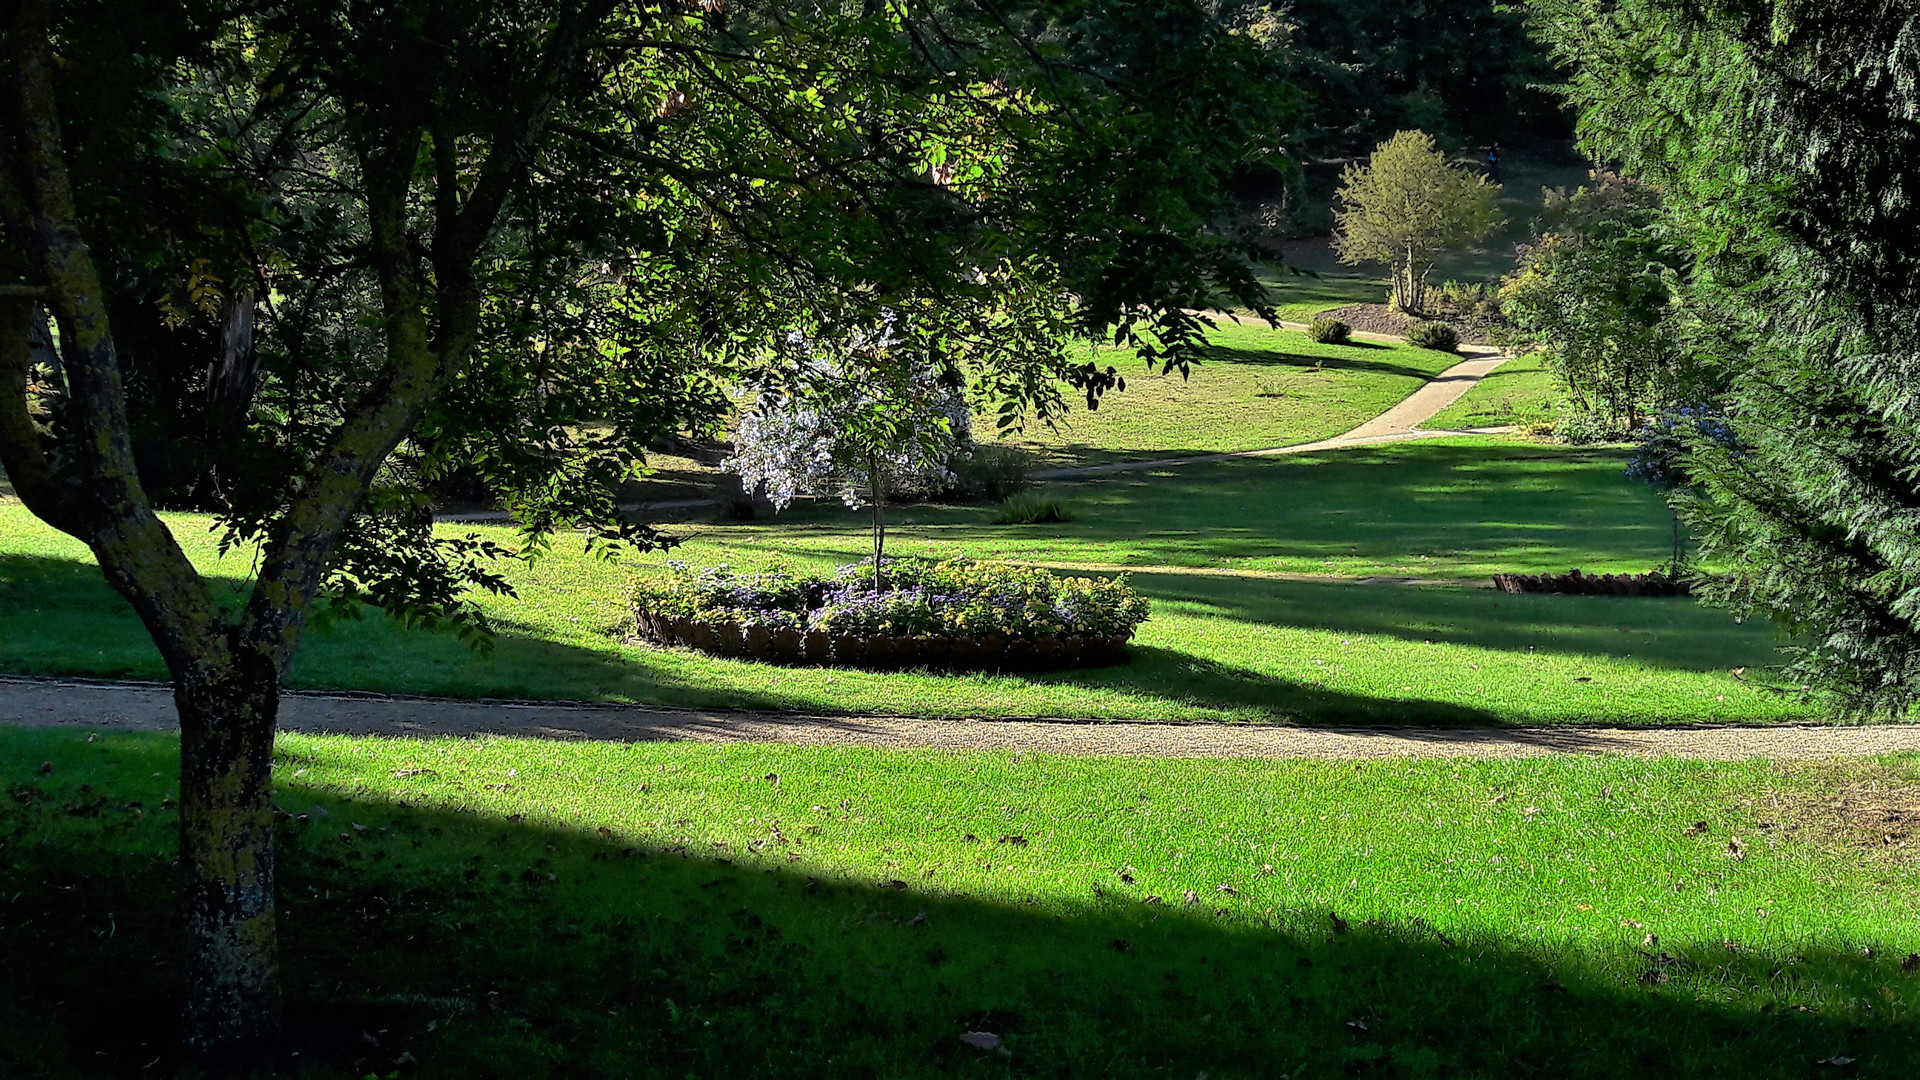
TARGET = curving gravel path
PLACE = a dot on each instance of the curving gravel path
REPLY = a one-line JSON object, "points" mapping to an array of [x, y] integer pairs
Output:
{"points": [[1401, 423], [149, 707]]}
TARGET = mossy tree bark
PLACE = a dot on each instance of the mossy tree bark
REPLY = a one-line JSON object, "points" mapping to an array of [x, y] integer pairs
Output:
{"points": [[232, 1006]]}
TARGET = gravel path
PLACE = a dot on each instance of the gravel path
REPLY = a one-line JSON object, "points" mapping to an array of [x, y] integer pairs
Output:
{"points": [[149, 707], [1398, 424]]}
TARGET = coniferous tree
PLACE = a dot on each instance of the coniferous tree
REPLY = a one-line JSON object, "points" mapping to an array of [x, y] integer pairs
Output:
{"points": [[1782, 137]]}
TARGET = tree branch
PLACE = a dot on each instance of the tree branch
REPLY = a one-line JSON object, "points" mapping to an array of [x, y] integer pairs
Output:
{"points": [[419, 363]]}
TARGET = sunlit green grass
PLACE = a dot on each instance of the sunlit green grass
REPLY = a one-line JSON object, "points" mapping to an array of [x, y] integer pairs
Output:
{"points": [[1517, 393], [1250, 565], [517, 908], [1260, 388]]}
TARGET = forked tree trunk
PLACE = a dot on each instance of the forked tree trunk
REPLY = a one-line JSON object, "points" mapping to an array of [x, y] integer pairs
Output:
{"points": [[232, 1009]]}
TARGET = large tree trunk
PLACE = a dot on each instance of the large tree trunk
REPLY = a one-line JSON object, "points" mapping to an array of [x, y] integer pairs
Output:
{"points": [[232, 1009]]}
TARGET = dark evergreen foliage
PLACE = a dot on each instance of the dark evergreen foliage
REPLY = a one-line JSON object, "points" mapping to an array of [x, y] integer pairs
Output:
{"points": [[1784, 136]]}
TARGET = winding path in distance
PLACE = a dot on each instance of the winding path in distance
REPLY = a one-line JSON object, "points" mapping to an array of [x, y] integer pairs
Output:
{"points": [[1401, 423]]}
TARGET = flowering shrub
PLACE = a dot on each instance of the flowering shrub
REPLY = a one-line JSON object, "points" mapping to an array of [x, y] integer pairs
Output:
{"points": [[861, 432], [1658, 456], [951, 598]]}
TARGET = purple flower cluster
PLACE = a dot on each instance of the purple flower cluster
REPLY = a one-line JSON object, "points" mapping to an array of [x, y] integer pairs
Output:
{"points": [[922, 597]]}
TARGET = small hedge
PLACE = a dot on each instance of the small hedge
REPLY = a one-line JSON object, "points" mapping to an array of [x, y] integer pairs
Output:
{"points": [[1437, 336], [949, 613], [1573, 582], [1030, 509], [1329, 331]]}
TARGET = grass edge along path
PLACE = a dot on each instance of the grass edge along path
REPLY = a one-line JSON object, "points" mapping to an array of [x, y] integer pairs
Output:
{"points": [[512, 907], [124, 706]]}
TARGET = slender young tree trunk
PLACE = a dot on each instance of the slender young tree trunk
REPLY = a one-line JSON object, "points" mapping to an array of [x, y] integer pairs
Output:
{"points": [[232, 1010], [878, 490]]}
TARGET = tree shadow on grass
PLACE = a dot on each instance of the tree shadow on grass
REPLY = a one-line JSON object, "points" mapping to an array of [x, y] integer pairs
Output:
{"points": [[1277, 358], [457, 944], [1181, 678], [1664, 632], [96, 635]]}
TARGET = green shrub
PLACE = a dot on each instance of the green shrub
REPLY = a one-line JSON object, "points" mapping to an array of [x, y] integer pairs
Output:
{"points": [[1580, 427], [1468, 299], [1273, 386], [923, 597], [991, 471], [1029, 509], [1437, 336], [1329, 331]]}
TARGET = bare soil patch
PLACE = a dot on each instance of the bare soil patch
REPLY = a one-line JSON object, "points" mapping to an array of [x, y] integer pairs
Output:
{"points": [[1381, 319]]}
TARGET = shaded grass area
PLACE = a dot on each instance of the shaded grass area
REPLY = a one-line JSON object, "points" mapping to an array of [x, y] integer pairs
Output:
{"points": [[1260, 388], [1462, 508], [1518, 393], [526, 909], [1299, 296]]}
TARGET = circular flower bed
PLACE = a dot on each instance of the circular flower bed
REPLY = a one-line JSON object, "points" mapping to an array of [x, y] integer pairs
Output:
{"points": [[954, 613]]}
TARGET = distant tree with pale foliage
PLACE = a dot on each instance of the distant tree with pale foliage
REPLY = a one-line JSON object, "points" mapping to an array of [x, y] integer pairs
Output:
{"points": [[860, 426], [1405, 206]]}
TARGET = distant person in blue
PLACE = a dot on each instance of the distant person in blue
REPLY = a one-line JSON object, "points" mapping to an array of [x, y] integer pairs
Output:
{"points": [[1493, 163]]}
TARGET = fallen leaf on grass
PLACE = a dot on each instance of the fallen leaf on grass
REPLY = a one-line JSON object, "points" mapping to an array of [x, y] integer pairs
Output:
{"points": [[894, 884], [1911, 963], [1357, 1024], [1698, 828], [402, 774], [1126, 875], [1339, 924], [918, 920], [1016, 841], [1836, 1061], [1736, 848], [1228, 889], [1190, 896], [981, 1040], [604, 831]]}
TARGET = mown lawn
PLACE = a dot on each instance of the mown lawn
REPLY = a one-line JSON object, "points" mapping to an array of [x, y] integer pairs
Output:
{"points": [[1252, 566], [1517, 393], [1259, 388], [526, 909]]}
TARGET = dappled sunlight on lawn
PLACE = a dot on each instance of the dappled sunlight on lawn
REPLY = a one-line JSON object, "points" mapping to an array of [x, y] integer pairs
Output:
{"points": [[1235, 556], [1448, 508]]}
